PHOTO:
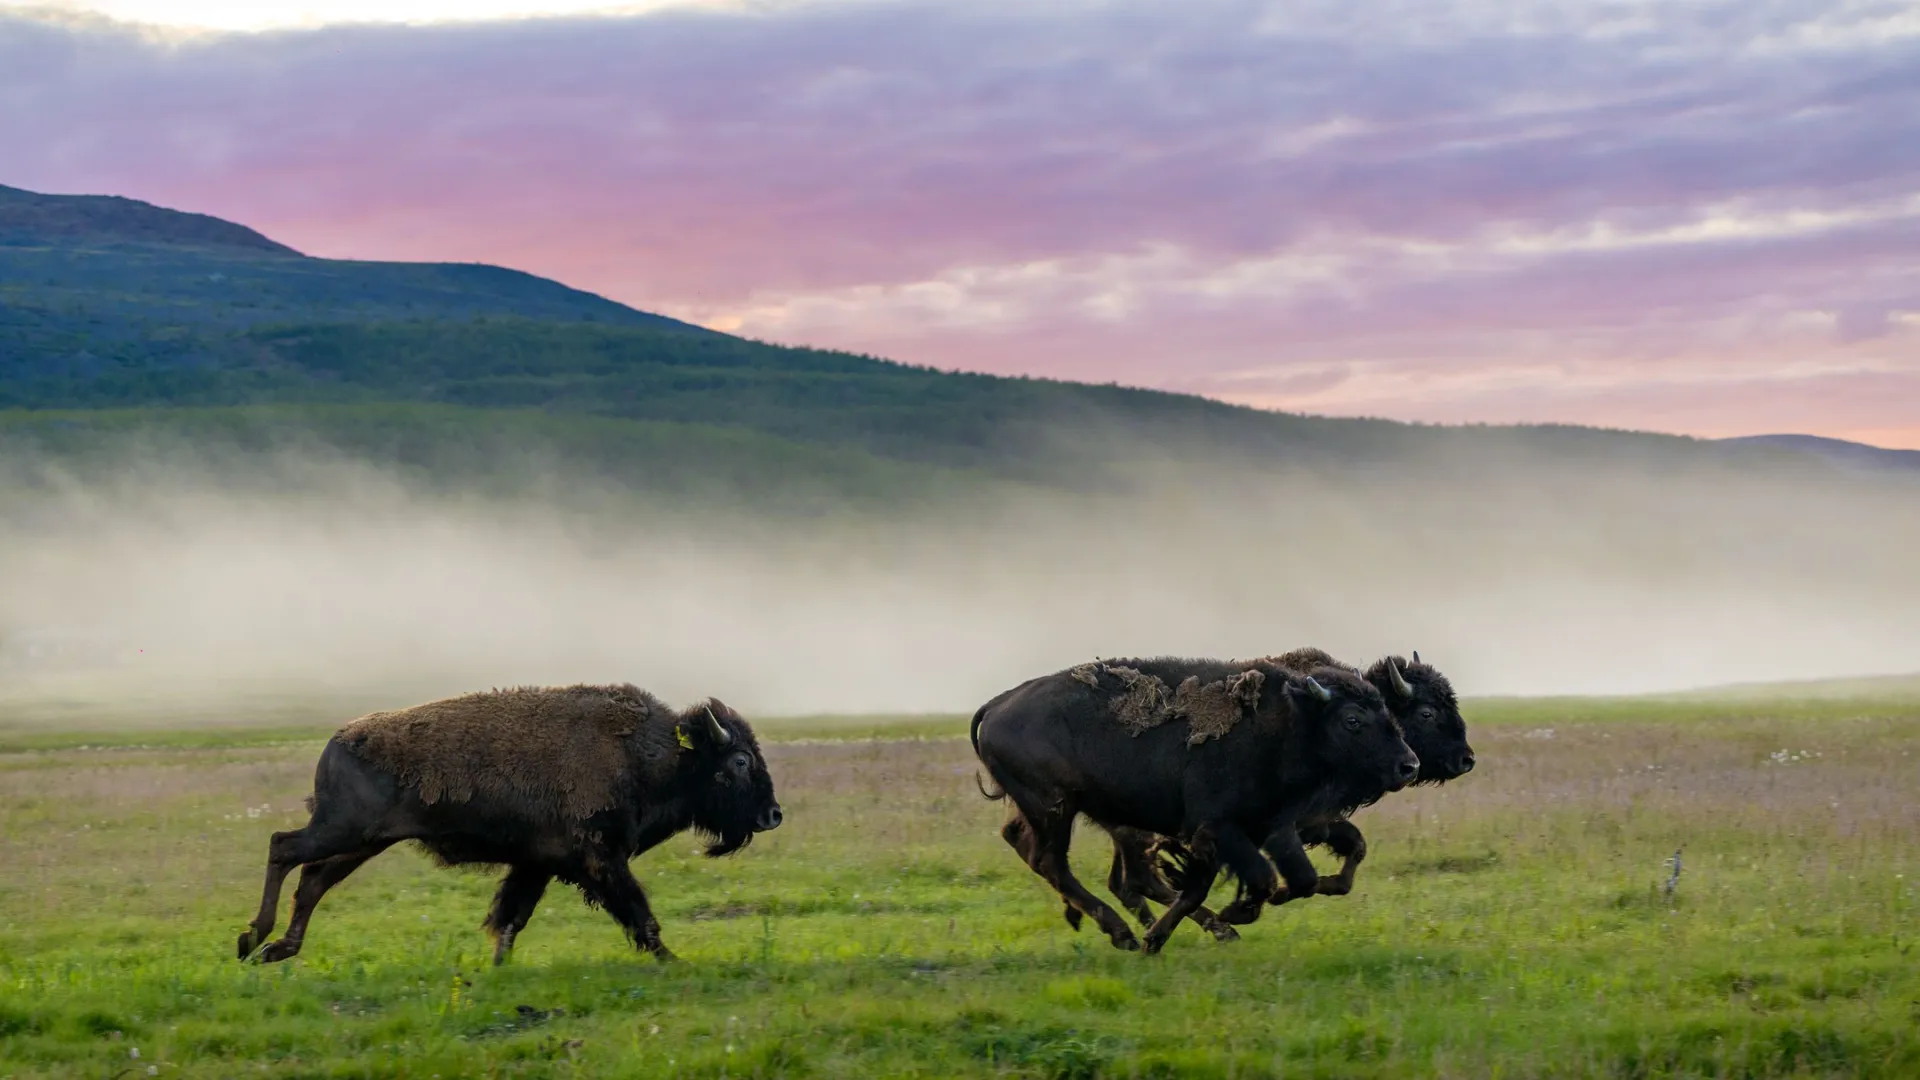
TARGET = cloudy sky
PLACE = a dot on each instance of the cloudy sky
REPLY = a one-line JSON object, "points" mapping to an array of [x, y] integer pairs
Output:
{"points": [[1688, 216]]}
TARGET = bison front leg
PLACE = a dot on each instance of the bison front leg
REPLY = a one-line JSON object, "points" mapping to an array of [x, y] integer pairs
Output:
{"points": [[1141, 881], [1290, 855], [1345, 840], [1212, 844], [611, 884], [512, 907]]}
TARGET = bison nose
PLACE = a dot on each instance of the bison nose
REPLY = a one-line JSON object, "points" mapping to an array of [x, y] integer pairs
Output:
{"points": [[1409, 769], [770, 818], [1466, 762]]}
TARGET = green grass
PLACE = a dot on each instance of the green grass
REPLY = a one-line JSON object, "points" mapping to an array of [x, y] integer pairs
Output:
{"points": [[1510, 925]]}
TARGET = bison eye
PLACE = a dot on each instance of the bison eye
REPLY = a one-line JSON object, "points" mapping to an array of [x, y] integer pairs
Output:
{"points": [[1426, 712], [740, 762], [1352, 722]]}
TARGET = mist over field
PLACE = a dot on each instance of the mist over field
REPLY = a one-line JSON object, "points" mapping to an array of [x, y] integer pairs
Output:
{"points": [[175, 580]]}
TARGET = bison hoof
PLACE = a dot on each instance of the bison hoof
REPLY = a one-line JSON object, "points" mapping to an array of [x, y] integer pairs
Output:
{"points": [[1223, 932], [279, 950], [1240, 912], [246, 944], [1151, 946], [664, 955]]}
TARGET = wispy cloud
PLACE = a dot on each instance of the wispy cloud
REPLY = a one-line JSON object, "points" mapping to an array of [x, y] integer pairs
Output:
{"points": [[1701, 217]]}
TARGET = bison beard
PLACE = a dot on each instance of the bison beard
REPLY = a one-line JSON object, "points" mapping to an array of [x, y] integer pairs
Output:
{"points": [[569, 783]]}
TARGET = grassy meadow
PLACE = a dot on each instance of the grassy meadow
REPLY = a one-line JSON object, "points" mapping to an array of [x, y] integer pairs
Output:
{"points": [[1512, 924]]}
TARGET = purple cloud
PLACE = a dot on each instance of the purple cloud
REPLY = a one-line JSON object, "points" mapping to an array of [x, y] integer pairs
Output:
{"points": [[1292, 205]]}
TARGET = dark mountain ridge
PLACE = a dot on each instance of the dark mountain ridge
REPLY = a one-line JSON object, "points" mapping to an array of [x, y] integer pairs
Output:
{"points": [[117, 315], [30, 218]]}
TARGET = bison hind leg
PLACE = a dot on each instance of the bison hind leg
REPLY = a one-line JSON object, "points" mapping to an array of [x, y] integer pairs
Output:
{"points": [[315, 879], [513, 905]]}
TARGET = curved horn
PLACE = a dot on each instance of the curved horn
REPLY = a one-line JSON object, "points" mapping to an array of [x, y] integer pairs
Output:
{"points": [[721, 736], [1319, 691], [1416, 656], [1400, 685]]}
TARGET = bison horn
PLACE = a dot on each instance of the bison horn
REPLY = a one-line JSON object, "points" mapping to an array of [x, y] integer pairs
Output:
{"points": [[1416, 656], [1319, 691], [721, 736], [1399, 681]]}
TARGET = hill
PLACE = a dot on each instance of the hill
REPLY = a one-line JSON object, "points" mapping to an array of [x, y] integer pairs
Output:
{"points": [[117, 316], [30, 218], [1839, 451]]}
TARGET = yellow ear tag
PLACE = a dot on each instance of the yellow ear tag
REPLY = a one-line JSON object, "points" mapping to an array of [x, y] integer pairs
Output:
{"points": [[680, 733]]}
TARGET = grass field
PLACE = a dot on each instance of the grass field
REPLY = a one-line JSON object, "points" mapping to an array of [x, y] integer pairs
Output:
{"points": [[1511, 924]]}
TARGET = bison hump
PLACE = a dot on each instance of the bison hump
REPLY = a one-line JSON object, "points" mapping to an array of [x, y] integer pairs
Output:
{"points": [[557, 752]]}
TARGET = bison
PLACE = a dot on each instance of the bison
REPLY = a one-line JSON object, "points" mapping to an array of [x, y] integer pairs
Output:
{"points": [[1260, 746], [1419, 697], [552, 782]]}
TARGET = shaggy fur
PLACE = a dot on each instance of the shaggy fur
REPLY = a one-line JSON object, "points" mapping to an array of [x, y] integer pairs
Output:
{"points": [[563, 749], [565, 783], [1213, 708], [1142, 701], [1303, 660]]}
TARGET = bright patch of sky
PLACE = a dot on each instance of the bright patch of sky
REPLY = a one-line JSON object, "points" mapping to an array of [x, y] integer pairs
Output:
{"points": [[258, 15]]}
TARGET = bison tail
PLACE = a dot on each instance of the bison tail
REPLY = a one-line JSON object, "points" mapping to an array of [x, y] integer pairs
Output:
{"points": [[973, 733], [993, 796]]}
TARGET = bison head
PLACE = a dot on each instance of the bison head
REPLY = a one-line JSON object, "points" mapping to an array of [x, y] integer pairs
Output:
{"points": [[734, 796], [1422, 700], [1354, 733]]}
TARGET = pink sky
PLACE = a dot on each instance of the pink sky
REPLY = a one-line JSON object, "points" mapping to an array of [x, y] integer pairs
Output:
{"points": [[1700, 218]]}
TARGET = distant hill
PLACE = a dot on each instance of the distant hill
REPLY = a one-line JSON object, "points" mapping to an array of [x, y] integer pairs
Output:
{"points": [[118, 317], [29, 218], [1838, 451]]}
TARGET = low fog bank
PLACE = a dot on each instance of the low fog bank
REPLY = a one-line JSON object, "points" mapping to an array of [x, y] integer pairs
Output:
{"points": [[179, 581]]}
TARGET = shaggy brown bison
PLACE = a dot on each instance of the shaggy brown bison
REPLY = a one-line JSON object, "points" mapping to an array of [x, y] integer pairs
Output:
{"points": [[1419, 697], [567, 783], [1213, 753]]}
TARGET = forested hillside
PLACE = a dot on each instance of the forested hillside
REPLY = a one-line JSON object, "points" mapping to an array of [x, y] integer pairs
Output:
{"points": [[119, 318]]}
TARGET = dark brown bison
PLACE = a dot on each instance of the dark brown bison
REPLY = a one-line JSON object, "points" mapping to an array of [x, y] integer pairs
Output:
{"points": [[1213, 753], [1423, 702], [567, 783]]}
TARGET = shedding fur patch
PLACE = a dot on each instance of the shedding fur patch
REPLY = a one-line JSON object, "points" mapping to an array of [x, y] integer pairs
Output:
{"points": [[559, 749], [1086, 673], [1144, 701], [1213, 708]]}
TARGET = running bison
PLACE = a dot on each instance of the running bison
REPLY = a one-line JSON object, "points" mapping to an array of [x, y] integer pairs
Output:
{"points": [[1216, 754], [567, 783], [1423, 702]]}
